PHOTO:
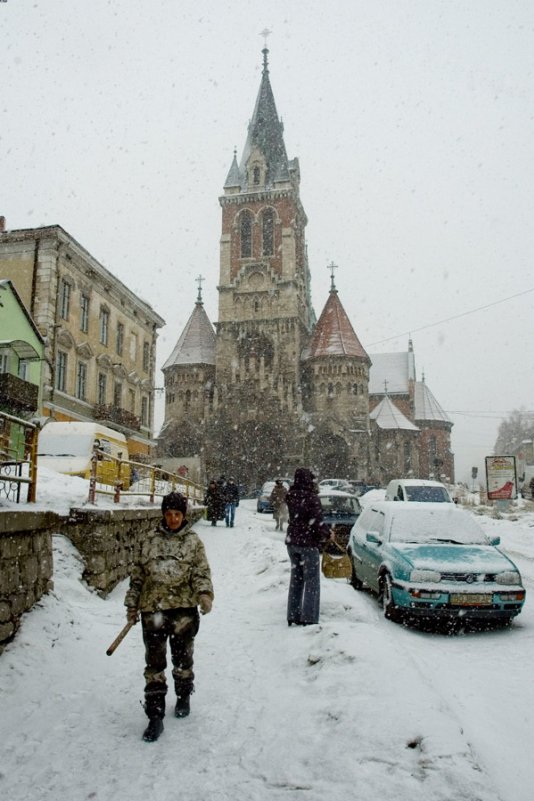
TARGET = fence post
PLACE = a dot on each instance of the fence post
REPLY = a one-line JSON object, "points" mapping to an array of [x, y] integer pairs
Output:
{"points": [[92, 479], [152, 484], [32, 487]]}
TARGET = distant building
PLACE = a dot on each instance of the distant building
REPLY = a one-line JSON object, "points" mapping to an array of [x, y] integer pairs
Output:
{"points": [[271, 387], [100, 338]]}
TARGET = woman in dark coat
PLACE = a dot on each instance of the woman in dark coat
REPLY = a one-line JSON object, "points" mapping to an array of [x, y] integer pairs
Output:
{"points": [[214, 500], [306, 534]]}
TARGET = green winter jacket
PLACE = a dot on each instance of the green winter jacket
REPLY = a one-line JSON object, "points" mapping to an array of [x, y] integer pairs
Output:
{"points": [[171, 571]]}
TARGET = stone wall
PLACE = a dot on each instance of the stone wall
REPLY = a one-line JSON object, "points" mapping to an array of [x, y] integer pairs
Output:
{"points": [[107, 540], [26, 565]]}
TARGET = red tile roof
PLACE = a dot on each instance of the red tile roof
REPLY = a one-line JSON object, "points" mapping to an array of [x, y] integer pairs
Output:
{"points": [[334, 334]]}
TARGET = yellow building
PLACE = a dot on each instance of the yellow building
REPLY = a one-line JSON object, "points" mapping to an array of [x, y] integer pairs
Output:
{"points": [[100, 338]]}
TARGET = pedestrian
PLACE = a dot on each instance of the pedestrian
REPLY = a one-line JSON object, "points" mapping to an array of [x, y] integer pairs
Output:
{"points": [[170, 578], [278, 502], [306, 534], [214, 502], [231, 497]]}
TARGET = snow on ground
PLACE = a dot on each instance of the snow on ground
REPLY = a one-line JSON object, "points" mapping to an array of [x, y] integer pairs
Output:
{"points": [[354, 708]]}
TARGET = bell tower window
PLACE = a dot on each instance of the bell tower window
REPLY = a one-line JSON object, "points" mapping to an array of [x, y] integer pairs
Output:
{"points": [[246, 235], [268, 232], [256, 176]]}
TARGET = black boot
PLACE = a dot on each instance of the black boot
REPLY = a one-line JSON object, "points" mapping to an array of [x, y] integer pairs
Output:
{"points": [[182, 708], [153, 730], [155, 709]]}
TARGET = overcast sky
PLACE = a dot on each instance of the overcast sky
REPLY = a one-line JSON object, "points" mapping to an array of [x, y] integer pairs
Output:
{"points": [[413, 121]]}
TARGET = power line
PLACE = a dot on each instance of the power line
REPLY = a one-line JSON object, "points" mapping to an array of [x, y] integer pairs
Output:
{"points": [[454, 317]]}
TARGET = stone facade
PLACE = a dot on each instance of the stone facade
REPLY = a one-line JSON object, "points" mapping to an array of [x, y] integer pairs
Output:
{"points": [[25, 565], [100, 337]]}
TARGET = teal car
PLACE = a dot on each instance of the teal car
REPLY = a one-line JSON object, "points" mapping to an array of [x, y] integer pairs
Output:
{"points": [[433, 561]]}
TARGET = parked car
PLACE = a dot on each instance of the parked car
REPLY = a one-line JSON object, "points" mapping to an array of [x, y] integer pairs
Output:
{"points": [[417, 489], [433, 560], [263, 503], [335, 483], [340, 509]]}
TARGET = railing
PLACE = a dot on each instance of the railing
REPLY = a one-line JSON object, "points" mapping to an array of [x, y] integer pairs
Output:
{"points": [[18, 457], [138, 479], [18, 394], [116, 414]]}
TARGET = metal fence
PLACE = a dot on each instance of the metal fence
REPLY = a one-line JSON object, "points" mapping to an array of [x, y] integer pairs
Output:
{"points": [[138, 479], [18, 458]]}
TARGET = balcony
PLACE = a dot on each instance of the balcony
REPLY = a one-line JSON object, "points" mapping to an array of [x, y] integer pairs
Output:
{"points": [[114, 414], [18, 395]]}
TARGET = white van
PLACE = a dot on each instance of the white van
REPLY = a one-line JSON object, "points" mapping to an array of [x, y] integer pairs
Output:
{"points": [[68, 448], [417, 489]]}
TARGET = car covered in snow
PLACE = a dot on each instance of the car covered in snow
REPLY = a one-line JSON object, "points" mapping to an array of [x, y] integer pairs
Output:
{"points": [[417, 489], [433, 560]]}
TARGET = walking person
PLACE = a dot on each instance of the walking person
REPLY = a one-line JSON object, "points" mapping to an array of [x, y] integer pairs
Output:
{"points": [[170, 578], [278, 501], [231, 496], [306, 534], [214, 501]]}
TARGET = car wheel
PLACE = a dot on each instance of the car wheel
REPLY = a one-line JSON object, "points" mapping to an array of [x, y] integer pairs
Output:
{"points": [[354, 580], [388, 607]]}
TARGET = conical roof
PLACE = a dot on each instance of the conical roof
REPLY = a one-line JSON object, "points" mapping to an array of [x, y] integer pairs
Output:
{"points": [[387, 415], [233, 178], [265, 132], [334, 334], [197, 341], [426, 406]]}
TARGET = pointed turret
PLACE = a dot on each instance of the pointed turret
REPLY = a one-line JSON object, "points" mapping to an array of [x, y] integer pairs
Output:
{"points": [[387, 416], [233, 179], [334, 334], [196, 344]]}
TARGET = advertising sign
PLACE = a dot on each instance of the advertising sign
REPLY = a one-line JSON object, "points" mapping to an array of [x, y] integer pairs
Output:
{"points": [[501, 478]]}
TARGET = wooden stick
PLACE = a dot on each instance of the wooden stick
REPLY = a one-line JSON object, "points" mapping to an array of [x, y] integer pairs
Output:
{"points": [[120, 637]]}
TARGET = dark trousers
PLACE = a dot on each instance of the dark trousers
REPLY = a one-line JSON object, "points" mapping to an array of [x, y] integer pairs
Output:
{"points": [[229, 513], [304, 585], [179, 627]]}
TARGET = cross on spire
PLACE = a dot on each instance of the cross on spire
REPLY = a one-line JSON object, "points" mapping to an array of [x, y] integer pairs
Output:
{"points": [[199, 281], [332, 267], [265, 33], [385, 386]]}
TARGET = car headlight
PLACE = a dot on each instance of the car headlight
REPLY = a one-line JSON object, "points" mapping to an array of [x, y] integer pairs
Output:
{"points": [[431, 576], [508, 577]]}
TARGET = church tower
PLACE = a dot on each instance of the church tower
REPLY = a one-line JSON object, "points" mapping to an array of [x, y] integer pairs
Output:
{"points": [[265, 314]]}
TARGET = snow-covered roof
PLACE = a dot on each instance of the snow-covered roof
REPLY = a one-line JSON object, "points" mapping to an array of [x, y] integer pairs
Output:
{"points": [[387, 415], [334, 334], [395, 368], [197, 341], [426, 406]]}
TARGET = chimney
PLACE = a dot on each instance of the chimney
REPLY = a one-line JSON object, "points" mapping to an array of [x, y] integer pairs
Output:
{"points": [[2, 224]]}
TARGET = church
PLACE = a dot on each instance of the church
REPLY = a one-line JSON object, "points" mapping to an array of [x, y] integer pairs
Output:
{"points": [[271, 387]]}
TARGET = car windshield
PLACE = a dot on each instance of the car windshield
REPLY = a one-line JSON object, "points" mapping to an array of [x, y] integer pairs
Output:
{"points": [[432, 526], [427, 494], [339, 504]]}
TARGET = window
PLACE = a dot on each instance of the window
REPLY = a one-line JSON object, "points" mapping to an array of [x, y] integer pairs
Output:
{"points": [[144, 410], [268, 232], [4, 362], [117, 394], [104, 325], [81, 379], [246, 234], [84, 313], [146, 356], [64, 299], [120, 339], [131, 400], [61, 371], [102, 383], [256, 176], [133, 346], [24, 367]]}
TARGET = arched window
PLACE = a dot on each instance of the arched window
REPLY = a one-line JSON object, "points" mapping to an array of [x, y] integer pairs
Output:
{"points": [[268, 232], [256, 176], [246, 235]]}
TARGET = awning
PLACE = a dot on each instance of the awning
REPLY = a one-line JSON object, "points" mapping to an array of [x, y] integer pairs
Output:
{"points": [[22, 349]]}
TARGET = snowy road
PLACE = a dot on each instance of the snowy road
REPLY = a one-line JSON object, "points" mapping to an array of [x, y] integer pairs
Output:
{"points": [[355, 708]]}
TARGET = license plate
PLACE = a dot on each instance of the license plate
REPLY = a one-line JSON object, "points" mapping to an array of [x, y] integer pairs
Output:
{"points": [[470, 599]]}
